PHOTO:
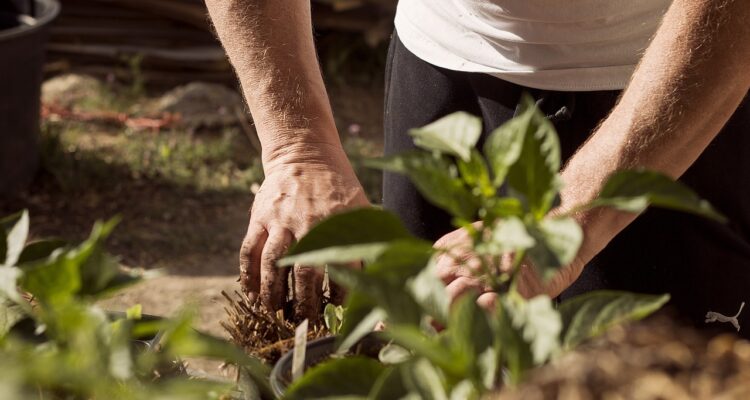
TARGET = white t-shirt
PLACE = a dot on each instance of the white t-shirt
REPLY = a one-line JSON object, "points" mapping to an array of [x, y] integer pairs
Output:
{"points": [[574, 45]]}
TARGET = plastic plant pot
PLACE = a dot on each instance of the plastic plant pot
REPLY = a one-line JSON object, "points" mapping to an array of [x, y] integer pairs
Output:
{"points": [[23, 36], [318, 351]]}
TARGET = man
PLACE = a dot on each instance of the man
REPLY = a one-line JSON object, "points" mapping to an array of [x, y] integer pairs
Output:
{"points": [[648, 83]]}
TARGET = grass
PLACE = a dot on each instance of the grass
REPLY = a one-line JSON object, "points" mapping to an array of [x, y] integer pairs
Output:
{"points": [[89, 154], [80, 155]]}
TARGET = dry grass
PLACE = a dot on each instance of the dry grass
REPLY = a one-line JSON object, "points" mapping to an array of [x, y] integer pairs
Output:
{"points": [[260, 332]]}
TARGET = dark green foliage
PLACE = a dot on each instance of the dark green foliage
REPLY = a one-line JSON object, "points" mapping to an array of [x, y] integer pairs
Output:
{"points": [[65, 347]]}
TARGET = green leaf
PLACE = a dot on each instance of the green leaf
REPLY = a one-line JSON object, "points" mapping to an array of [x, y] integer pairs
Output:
{"points": [[346, 228], [247, 386], [134, 312], [54, 281], [436, 179], [557, 243], [6, 224], [16, 239], [332, 316], [356, 310], [181, 340], [121, 363], [429, 292], [410, 337], [502, 207], [401, 261], [469, 332], [464, 390], [389, 385], [455, 134], [539, 323], [125, 278], [10, 314], [425, 380], [488, 365], [592, 313], [504, 145], [635, 190], [394, 354], [508, 235], [363, 328], [9, 277], [381, 286], [336, 255], [401, 307], [534, 175], [515, 350], [351, 376], [39, 250], [97, 268], [476, 174]]}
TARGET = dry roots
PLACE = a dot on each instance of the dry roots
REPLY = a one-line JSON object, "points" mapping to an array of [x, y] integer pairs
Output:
{"points": [[259, 331]]}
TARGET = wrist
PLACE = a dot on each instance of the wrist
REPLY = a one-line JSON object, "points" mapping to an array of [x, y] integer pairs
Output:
{"points": [[312, 155]]}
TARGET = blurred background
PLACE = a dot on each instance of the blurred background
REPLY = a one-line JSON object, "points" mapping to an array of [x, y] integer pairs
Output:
{"points": [[130, 107]]}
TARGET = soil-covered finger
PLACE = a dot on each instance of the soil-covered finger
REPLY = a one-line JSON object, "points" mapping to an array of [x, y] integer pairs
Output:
{"points": [[308, 292], [273, 280], [250, 259]]}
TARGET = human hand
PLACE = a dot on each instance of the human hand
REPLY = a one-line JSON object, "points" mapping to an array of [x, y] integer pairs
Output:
{"points": [[460, 270], [296, 194]]}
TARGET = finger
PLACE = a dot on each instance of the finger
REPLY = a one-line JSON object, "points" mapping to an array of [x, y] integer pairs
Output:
{"points": [[250, 255], [308, 287], [451, 267], [463, 285], [487, 300], [273, 280]]}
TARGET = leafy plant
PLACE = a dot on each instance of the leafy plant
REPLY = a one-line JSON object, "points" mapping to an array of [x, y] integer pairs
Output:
{"points": [[56, 344], [478, 350]]}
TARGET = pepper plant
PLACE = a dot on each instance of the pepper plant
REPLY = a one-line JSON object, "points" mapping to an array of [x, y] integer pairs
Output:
{"points": [[510, 188], [56, 343]]}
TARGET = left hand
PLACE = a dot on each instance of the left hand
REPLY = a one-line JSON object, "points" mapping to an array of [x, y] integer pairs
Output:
{"points": [[459, 267]]}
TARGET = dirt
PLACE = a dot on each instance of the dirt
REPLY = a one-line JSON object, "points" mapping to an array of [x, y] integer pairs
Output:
{"points": [[659, 358]]}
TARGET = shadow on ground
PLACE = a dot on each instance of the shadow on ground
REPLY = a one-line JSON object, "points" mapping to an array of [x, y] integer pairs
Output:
{"points": [[185, 230]]}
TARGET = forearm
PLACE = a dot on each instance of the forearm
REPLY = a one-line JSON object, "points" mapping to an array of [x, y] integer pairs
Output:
{"points": [[270, 45], [689, 82]]}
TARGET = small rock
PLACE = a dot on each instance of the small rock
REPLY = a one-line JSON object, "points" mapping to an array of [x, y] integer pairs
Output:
{"points": [[71, 90], [203, 105]]}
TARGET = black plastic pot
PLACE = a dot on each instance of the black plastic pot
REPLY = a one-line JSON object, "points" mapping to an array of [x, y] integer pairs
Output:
{"points": [[23, 35], [318, 351]]}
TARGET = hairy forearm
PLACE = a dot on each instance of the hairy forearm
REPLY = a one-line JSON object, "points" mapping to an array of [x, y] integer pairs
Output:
{"points": [[270, 45], [690, 80]]}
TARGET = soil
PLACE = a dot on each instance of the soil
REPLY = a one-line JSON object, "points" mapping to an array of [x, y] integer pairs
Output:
{"points": [[659, 358]]}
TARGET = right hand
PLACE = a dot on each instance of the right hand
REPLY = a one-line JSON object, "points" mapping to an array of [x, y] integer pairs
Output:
{"points": [[297, 193]]}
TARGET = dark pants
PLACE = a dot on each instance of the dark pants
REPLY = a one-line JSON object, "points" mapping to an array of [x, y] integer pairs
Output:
{"points": [[704, 265]]}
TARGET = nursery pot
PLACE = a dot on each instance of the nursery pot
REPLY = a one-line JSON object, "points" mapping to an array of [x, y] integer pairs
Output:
{"points": [[318, 351], [23, 35]]}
